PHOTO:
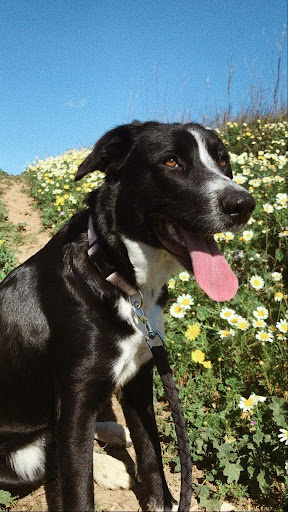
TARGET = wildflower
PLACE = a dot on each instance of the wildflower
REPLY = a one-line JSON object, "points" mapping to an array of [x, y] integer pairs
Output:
{"points": [[282, 199], [177, 310], [261, 313], [192, 331], [226, 313], [207, 364], [286, 466], [233, 320], [239, 179], [258, 398], [228, 236], [268, 208], [184, 276], [185, 300], [247, 404], [283, 233], [197, 356], [256, 282], [226, 333], [2, 242], [282, 326], [247, 236], [171, 284], [283, 436], [242, 324], [264, 336], [278, 296], [276, 276], [258, 324]]}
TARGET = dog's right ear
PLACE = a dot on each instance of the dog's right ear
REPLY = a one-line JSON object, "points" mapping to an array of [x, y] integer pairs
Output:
{"points": [[110, 152]]}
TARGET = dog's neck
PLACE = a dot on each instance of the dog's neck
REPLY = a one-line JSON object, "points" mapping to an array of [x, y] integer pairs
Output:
{"points": [[153, 267]]}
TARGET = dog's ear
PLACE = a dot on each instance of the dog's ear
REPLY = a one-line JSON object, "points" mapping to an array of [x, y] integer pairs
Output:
{"points": [[110, 152]]}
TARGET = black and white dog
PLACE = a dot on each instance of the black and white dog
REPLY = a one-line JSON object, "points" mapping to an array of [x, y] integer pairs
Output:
{"points": [[69, 334]]}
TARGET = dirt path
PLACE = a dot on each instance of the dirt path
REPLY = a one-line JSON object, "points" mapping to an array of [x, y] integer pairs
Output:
{"points": [[21, 210]]}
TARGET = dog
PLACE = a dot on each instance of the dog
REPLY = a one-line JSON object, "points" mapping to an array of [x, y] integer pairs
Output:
{"points": [[69, 333]]}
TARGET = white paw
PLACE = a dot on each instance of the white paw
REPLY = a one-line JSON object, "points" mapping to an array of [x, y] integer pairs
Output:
{"points": [[110, 473], [112, 434]]}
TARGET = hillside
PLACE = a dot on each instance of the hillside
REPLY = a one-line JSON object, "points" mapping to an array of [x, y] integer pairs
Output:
{"points": [[230, 363]]}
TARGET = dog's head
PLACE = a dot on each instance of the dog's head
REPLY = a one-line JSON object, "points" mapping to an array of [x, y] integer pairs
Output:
{"points": [[174, 190]]}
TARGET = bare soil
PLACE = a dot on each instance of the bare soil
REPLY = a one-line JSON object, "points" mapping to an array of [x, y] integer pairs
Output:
{"points": [[21, 209]]}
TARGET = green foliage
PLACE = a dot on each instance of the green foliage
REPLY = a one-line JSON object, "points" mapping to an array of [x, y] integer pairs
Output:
{"points": [[7, 259], [6, 500]]}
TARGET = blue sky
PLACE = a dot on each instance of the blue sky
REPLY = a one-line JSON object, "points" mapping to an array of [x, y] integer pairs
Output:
{"points": [[71, 69]]}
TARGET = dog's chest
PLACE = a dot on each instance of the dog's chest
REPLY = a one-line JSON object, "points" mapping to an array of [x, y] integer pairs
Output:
{"points": [[133, 350]]}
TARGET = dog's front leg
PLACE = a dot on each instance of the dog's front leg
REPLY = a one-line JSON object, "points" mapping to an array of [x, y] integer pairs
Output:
{"points": [[137, 402], [74, 444]]}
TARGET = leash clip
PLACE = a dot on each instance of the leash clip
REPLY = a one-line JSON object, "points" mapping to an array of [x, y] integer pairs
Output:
{"points": [[151, 333]]}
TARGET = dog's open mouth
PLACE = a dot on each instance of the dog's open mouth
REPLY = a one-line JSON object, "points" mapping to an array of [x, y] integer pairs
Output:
{"points": [[199, 254]]}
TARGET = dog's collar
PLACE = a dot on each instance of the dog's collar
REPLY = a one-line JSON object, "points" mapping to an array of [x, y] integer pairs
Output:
{"points": [[97, 259]]}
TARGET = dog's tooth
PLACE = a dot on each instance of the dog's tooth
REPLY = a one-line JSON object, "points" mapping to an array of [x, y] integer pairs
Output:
{"points": [[171, 230]]}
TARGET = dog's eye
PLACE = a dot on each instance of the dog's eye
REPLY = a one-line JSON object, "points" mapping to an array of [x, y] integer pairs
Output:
{"points": [[223, 163], [171, 162]]}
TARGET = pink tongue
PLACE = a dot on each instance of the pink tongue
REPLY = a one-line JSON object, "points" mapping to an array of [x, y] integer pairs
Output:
{"points": [[211, 271]]}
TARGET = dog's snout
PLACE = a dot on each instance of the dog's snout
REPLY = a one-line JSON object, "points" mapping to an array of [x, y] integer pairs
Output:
{"points": [[238, 205]]}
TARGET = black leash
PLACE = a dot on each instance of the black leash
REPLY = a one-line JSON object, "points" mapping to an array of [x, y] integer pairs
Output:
{"points": [[155, 342]]}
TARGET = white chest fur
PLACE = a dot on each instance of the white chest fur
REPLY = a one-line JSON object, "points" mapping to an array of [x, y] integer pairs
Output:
{"points": [[152, 269], [134, 351]]}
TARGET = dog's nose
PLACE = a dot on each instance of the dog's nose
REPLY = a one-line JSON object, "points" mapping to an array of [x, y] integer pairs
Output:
{"points": [[238, 205]]}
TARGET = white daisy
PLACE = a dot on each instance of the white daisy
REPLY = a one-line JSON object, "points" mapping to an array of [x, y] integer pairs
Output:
{"points": [[276, 276], [264, 336], [184, 276], [256, 282], [171, 284], [283, 436], [278, 296], [258, 324], [247, 404], [242, 323], [234, 320], [258, 398], [247, 235], [268, 208], [261, 313], [226, 333], [177, 310], [226, 313], [282, 326], [185, 300]]}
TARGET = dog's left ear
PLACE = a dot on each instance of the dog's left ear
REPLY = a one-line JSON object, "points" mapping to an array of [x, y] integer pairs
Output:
{"points": [[110, 152]]}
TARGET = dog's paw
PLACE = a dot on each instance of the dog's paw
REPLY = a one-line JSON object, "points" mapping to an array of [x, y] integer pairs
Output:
{"points": [[110, 473], [153, 505], [112, 434]]}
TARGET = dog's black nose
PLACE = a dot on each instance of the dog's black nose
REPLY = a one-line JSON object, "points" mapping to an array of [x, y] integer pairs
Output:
{"points": [[238, 205]]}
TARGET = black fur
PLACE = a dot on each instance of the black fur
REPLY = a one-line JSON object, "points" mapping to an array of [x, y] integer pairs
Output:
{"points": [[58, 317]]}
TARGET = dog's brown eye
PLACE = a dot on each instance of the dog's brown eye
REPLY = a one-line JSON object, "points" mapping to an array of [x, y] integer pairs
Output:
{"points": [[223, 163], [171, 162]]}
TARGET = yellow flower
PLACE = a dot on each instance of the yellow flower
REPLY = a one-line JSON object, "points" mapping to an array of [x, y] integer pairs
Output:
{"points": [[2, 242], [207, 364], [278, 296], [197, 356], [192, 331]]}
